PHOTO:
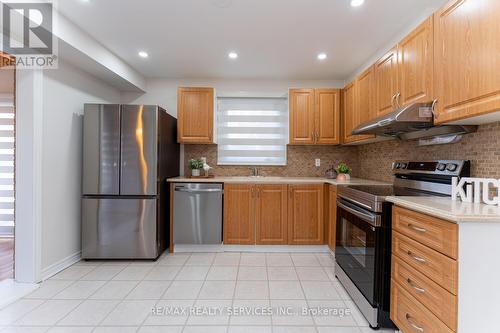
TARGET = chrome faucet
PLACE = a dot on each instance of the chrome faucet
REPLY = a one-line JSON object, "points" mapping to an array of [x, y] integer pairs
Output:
{"points": [[255, 172]]}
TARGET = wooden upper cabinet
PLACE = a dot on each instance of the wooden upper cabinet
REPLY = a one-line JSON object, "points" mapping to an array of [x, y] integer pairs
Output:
{"points": [[314, 116], [305, 214], [415, 65], [195, 115], [327, 116], [301, 105], [271, 214], [239, 214], [386, 82], [467, 59], [348, 113], [365, 101], [358, 105]]}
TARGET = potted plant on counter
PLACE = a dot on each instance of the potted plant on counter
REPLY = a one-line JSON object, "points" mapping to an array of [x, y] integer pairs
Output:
{"points": [[343, 171], [195, 165]]}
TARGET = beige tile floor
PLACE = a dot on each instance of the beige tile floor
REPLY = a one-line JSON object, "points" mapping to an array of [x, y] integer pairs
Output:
{"points": [[133, 296]]}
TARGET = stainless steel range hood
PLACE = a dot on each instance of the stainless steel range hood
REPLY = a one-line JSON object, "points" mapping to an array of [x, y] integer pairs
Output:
{"points": [[411, 122]]}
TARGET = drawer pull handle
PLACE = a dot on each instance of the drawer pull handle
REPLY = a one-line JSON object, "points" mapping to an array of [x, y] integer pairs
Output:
{"points": [[410, 282], [417, 228], [414, 257], [415, 326]]}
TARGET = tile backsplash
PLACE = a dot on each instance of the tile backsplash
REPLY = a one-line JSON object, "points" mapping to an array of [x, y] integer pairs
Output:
{"points": [[481, 148], [371, 161], [300, 161]]}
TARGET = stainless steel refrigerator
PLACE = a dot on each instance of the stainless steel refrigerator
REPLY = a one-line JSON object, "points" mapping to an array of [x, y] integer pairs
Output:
{"points": [[128, 153]]}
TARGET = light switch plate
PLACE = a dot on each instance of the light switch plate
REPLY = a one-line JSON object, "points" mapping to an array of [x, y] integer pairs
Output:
{"points": [[317, 162]]}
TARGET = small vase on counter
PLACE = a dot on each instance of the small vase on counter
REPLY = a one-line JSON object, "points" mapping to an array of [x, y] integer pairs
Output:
{"points": [[343, 171], [195, 172]]}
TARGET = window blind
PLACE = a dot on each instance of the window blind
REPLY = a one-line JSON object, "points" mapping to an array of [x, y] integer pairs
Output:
{"points": [[6, 165], [252, 131]]}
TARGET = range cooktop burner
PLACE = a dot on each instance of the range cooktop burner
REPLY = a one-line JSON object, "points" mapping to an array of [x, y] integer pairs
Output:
{"points": [[376, 190]]}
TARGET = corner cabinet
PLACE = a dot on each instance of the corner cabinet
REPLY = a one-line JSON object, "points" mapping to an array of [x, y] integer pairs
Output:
{"points": [[305, 214], [314, 116], [195, 115], [467, 59]]}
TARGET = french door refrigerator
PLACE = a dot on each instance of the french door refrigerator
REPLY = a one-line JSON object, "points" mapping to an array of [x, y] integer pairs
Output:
{"points": [[128, 153]]}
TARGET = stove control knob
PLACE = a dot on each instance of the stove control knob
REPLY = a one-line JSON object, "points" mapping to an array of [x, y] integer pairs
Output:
{"points": [[403, 165], [396, 165], [451, 167], [441, 166]]}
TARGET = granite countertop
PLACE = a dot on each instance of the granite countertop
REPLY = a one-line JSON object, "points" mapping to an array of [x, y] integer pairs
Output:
{"points": [[447, 209], [276, 180]]}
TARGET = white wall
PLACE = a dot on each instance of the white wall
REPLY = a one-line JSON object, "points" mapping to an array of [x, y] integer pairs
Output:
{"points": [[65, 90], [164, 91]]}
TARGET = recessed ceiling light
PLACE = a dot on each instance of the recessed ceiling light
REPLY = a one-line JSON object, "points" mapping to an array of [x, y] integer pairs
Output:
{"points": [[232, 55], [143, 54], [357, 3], [321, 56]]}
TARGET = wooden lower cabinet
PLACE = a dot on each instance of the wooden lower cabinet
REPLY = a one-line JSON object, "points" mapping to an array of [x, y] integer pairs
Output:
{"points": [[275, 214], [305, 214], [255, 214], [332, 216], [424, 292], [410, 315], [239, 214], [271, 214]]}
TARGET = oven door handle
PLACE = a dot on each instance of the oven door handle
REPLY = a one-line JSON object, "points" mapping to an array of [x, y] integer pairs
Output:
{"points": [[372, 219]]}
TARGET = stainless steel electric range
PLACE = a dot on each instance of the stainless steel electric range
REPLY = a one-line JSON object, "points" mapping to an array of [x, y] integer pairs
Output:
{"points": [[363, 242]]}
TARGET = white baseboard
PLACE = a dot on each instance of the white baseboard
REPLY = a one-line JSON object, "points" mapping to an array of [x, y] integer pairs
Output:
{"points": [[251, 248], [62, 264]]}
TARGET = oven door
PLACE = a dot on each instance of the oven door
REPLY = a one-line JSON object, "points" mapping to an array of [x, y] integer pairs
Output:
{"points": [[355, 250]]}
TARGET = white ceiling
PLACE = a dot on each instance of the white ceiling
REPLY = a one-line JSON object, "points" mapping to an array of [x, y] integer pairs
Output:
{"points": [[275, 39]]}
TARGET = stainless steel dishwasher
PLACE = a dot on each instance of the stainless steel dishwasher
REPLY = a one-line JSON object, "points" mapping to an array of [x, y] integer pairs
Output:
{"points": [[197, 213]]}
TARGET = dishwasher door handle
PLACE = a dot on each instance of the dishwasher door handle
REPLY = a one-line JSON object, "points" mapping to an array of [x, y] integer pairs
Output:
{"points": [[208, 190]]}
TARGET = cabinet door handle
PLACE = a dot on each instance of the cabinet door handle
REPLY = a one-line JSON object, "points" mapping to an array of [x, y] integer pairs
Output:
{"points": [[415, 326], [397, 100], [392, 100], [433, 109], [416, 228], [410, 282], [414, 257], [253, 192]]}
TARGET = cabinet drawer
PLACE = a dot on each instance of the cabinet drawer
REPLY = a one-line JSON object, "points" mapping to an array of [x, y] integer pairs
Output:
{"points": [[436, 266], [411, 316], [439, 235], [438, 300]]}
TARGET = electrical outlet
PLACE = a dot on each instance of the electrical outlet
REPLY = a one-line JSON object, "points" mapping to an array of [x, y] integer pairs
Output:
{"points": [[317, 162]]}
